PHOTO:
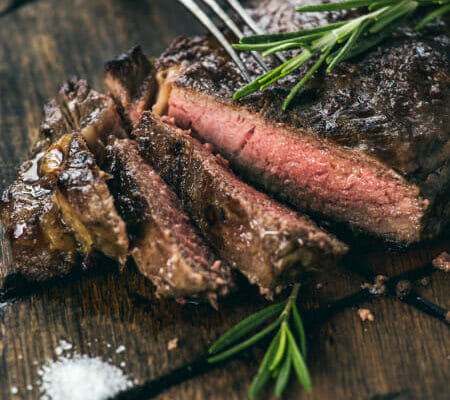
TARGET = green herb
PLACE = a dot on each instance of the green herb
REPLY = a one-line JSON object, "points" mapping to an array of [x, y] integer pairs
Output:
{"points": [[335, 42], [283, 354]]}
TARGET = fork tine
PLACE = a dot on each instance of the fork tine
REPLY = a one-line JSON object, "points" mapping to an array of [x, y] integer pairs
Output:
{"points": [[234, 28], [245, 16], [209, 24], [250, 22]]}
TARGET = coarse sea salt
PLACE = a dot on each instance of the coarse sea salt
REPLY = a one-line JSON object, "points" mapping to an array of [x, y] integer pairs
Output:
{"points": [[120, 349], [63, 346], [81, 377]]}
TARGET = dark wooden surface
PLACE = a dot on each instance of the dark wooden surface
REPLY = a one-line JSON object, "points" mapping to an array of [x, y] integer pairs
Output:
{"points": [[403, 354]]}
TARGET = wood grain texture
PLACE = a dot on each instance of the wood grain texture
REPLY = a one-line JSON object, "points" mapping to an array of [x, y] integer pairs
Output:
{"points": [[403, 354]]}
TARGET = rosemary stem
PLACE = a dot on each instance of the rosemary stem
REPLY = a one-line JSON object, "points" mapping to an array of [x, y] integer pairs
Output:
{"points": [[291, 300]]}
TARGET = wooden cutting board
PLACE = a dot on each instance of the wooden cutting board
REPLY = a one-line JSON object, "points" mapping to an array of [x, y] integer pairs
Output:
{"points": [[402, 354]]}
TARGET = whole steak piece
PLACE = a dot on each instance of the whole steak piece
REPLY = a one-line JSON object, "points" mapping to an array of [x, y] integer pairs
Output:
{"points": [[367, 145], [267, 242]]}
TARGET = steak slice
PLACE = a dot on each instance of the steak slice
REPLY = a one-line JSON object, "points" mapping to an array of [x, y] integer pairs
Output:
{"points": [[42, 245], [80, 108], [367, 145], [59, 211], [270, 244], [131, 79], [86, 203], [164, 245]]}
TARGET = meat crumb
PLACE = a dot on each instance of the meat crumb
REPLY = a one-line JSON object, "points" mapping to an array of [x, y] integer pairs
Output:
{"points": [[442, 262], [425, 281], [379, 287], [365, 314], [216, 265], [172, 344]]}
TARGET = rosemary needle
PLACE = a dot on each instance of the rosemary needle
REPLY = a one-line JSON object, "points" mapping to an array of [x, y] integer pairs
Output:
{"points": [[339, 41]]}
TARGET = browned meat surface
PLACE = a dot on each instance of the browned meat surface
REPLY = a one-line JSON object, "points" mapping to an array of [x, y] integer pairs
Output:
{"points": [[80, 108], [46, 237], [59, 212], [164, 244], [367, 145], [87, 205], [43, 246], [270, 244], [131, 79], [442, 261]]}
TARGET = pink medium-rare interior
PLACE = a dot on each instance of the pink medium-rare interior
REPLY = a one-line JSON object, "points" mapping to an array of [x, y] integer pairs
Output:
{"points": [[311, 174]]}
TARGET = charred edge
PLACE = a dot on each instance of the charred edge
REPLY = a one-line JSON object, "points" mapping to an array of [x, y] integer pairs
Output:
{"points": [[124, 63]]}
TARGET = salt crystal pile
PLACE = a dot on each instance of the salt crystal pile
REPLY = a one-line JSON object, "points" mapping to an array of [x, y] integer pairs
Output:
{"points": [[81, 377]]}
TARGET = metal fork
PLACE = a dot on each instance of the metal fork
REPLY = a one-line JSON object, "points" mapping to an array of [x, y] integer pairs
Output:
{"points": [[193, 7]]}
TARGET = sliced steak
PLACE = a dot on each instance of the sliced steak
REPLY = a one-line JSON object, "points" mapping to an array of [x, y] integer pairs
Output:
{"points": [[164, 245], [131, 79], [86, 203], [270, 244], [43, 246], [80, 108], [46, 238], [59, 212], [367, 145]]}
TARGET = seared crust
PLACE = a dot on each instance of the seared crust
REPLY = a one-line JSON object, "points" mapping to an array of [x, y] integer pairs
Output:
{"points": [[39, 222], [87, 205], [80, 108], [43, 247], [131, 80], [59, 211], [389, 105]]}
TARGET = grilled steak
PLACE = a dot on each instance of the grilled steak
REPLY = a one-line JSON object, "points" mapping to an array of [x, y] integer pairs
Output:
{"points": [[58, 209], [86, 203], [80, 108], [43, 246], [59, 212], [131, 79], [267, 242], [164, 244], [367, 145]]}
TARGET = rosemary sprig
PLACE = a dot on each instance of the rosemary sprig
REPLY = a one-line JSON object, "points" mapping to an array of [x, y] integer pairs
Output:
{"points": [[283, 354], [335, 42]]}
